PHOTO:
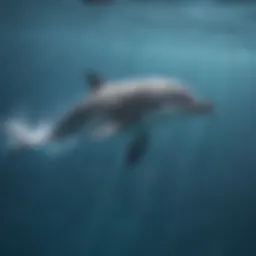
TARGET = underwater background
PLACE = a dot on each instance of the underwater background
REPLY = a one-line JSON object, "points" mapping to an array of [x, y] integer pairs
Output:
{"points": [[194, 191]]}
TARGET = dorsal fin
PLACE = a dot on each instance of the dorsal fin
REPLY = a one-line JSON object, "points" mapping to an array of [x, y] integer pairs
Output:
{"points": [[94, 80]]}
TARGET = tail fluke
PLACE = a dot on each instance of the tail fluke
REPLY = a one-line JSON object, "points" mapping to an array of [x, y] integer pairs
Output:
{"points": [[21, 136]]}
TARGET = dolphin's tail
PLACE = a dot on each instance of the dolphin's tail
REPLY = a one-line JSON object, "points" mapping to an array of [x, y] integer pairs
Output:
{"points": [[22, 137]]}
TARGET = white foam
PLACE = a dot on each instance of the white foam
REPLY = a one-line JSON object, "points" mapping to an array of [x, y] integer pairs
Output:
{"points": [[20, 134]]}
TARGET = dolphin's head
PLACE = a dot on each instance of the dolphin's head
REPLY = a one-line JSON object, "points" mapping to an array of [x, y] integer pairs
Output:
{"points": [[200, 108], [178, 98], [186, 102]]}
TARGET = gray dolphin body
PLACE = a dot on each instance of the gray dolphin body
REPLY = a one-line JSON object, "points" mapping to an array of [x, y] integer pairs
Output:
{"points": [[122, 104]]}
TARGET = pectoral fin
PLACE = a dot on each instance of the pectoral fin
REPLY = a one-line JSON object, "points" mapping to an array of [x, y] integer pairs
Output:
{"points": [[137, 149]]}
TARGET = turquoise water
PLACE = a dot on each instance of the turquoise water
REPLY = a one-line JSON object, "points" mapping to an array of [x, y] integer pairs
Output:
{"points": [[193, 193]]}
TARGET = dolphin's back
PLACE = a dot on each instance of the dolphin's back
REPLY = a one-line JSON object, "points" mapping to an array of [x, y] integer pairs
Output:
{"points": [[135, 88], [141, 84]]}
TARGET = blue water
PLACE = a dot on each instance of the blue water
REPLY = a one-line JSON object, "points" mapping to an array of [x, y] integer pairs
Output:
{"points": [[193, 193]]}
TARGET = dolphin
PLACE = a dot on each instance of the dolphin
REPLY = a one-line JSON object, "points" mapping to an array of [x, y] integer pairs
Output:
{"points": [[120, 106]]}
